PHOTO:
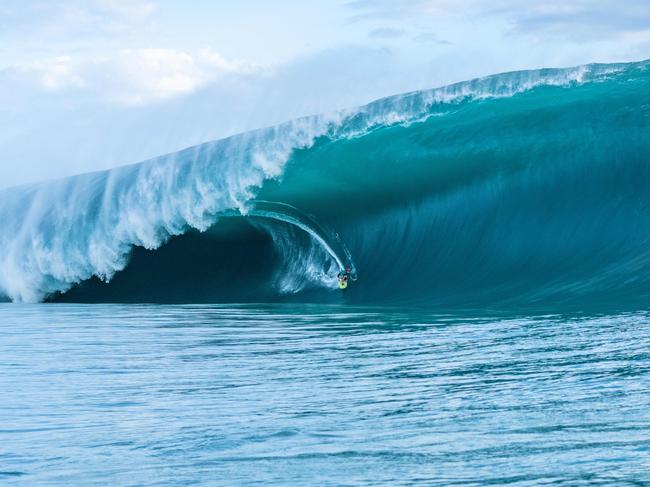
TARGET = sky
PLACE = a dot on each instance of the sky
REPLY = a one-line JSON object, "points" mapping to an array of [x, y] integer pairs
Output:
{"points": [[93, 84]]}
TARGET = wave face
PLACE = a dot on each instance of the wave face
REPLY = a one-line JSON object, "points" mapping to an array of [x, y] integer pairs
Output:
{"points": [[526, 188]]}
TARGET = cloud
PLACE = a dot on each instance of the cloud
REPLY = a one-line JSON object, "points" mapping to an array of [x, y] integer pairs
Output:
{"points": [[55, 74], [103, 15], [65, 19], [578, 19], [138, 76], [430, 38], [130, 76], [386, 33], [382, 9]]}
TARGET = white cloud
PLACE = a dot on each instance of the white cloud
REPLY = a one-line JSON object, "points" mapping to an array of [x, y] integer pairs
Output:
{"points": [[132, 76], [72, 19], [55, 74], [213, 58], [142, 75]]}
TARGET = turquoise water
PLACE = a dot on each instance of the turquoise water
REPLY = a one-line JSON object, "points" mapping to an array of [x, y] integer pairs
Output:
{"points": [[519, 190], [321, 395], [524, 192]]}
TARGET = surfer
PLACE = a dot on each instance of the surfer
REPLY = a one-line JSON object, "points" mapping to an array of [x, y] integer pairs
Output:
{"points": [[344, 277]]}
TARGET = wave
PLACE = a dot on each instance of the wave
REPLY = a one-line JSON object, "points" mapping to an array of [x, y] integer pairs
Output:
{"points": [[525, 187]]}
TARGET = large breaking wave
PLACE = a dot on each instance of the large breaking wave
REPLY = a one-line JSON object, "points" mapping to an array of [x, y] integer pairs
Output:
{"points": [[520, 188]]}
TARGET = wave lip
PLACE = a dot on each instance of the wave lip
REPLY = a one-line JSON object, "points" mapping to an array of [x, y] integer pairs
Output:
{"points": [[57, 234]]}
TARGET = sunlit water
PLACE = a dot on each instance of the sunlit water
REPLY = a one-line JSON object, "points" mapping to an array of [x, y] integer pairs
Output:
{"points": [[318, 395]]}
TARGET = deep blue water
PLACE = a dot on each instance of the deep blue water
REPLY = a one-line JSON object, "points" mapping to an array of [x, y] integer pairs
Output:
{"points": [[320, 395]]}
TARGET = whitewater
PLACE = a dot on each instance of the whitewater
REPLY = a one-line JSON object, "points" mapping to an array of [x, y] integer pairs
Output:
{"points": [[522, 188]]}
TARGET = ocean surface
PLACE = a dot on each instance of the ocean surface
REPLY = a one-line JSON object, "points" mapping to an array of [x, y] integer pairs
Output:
{"points": [[321, 395]]}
